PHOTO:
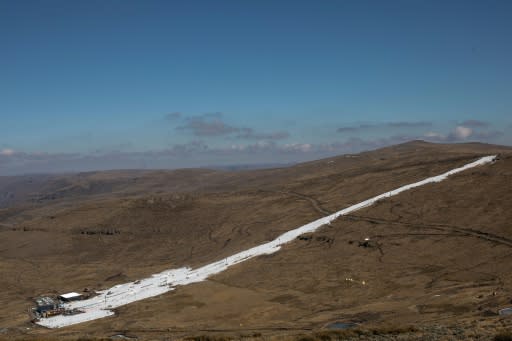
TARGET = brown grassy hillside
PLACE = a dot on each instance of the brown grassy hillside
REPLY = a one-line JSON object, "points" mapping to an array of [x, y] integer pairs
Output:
{"points": [[439, 254]]}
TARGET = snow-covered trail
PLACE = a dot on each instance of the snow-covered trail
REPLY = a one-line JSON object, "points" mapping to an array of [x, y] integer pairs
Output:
{"points": [[119, 295]]}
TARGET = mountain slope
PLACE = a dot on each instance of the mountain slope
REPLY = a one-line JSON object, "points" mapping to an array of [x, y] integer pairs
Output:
{"points": [[437, 253]]}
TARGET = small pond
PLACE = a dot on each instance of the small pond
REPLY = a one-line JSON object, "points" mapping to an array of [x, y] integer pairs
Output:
{"points": [[342, 325]]}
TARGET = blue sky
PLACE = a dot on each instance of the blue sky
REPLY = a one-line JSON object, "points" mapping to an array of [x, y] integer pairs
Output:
{"points": [[165, 84]]}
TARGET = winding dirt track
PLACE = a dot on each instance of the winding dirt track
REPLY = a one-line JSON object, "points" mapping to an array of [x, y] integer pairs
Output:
{"points": [[440, 227], [477, 233], [314, 202]]}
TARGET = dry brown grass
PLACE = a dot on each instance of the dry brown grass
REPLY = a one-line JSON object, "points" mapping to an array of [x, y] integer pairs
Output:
{"points": [[440, 252], [503, 336]]}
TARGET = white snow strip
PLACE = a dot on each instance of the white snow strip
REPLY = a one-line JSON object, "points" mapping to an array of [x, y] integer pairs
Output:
{"points": [[100, 306]]}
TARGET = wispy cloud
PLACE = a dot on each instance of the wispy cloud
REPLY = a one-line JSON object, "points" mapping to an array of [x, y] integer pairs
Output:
{"points": [[173, 116], [471, 130], [355, 128], [398, 124], [191, 147], [250, 134], [488, 136], [474, 124], [459, 134], [206, 126], [6, 152], [214, 125], [403, 124]]}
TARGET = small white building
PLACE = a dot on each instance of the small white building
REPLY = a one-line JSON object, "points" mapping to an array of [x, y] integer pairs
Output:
{"points": [[71, 296]]}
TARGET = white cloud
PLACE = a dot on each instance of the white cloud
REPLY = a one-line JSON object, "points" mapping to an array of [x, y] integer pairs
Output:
{"points": [[459, 133], [6, 152], [302, 147], [433, 134], [462, 132]]}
